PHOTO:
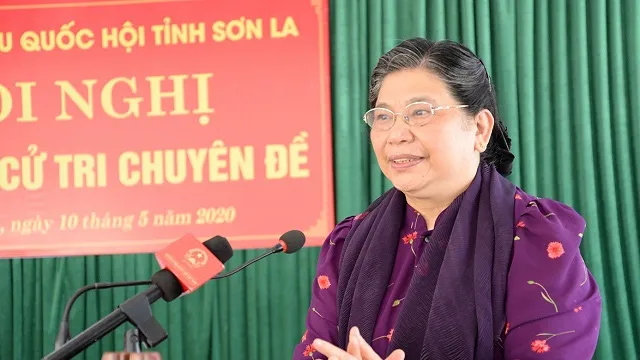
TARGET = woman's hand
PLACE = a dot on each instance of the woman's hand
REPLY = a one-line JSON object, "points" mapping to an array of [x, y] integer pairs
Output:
{"points": [[357, 349]]}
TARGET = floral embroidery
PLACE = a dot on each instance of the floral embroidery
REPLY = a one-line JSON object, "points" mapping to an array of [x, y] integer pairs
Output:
{"points": [[323, 282], [586, 275], [506, 329], [555, 249], [317, 313], [541, 346], [518, 197], [415, 222], [408, 239], [397, 302], [576, 309], [388, 336], [549, 214], [520, 224], [532, 203], [304, 336], [516, 238], [580, 234], [545, 294], [360, 216], [309, 350]]}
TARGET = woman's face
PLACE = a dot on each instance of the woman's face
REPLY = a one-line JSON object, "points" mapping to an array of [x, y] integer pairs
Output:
{"points": [[431, 160]]}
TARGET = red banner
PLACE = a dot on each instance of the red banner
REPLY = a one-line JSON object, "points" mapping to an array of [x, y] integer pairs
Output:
{"points": [[126, 124]]}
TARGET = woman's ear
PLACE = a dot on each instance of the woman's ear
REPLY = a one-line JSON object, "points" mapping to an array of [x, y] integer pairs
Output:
{"points": [[484, 125]]}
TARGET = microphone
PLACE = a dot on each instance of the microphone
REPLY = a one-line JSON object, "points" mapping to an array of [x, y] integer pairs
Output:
{"points": [[289, 242], [186, 265]]}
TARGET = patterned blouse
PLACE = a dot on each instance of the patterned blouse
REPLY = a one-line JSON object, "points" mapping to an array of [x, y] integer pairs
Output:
{"points": [[553, 304]]}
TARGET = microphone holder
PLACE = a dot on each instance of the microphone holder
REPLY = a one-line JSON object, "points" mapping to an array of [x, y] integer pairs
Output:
{"points": [[136, 310], [64, 333], [132, 341]]}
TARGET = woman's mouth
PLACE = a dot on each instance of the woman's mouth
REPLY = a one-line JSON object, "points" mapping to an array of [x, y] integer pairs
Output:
{"points": [[404, 161]]}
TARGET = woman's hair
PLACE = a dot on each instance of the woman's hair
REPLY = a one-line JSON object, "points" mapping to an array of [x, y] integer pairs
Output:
{"points": [[465, 76]]}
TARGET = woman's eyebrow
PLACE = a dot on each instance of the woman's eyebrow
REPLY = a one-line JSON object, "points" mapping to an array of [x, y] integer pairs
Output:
{"points": [[410, 101]]}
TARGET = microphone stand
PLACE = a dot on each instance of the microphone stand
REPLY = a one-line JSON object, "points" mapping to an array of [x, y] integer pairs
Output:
{"points": [[136, 310], [63, 331], [132, 341]]}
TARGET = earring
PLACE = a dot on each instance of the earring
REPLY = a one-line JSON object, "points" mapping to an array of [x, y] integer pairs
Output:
{"points": [[481, 146]]}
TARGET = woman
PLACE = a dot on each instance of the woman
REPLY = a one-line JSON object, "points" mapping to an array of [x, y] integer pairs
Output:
{"points": [[454, 262]]}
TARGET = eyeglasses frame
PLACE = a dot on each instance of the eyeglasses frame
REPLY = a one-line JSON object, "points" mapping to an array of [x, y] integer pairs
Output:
{"points": [[406, 118]]}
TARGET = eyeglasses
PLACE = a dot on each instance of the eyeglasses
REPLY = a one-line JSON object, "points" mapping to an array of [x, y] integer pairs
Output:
{"points": [[415, 114]]}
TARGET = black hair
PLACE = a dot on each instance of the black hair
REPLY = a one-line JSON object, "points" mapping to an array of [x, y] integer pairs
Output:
{"points": [[467, 80]]}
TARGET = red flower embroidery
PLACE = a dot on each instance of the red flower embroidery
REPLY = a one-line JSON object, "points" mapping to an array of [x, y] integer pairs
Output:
{"points": [[555, 250], [304, 336], [323, 282], [540, 346], [408, 239], [520, 224], [309, 350]]}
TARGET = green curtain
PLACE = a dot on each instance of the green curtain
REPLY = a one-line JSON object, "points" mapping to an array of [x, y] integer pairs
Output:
{"points": [[255, 314], [567, 79]]}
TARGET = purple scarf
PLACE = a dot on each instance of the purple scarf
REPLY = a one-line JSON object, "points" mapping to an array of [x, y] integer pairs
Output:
{"points": [[455, 306]]}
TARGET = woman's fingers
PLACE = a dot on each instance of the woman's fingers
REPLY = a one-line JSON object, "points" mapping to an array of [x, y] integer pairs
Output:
{"points": [[357, 349], [369, 354], [366, 350], [396, 355], [353, 347], [329, 350]]}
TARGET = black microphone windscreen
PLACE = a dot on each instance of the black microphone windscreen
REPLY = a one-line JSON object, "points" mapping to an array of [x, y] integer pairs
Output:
{"points": [[168, 284], [220, 247], [293, 241]]}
